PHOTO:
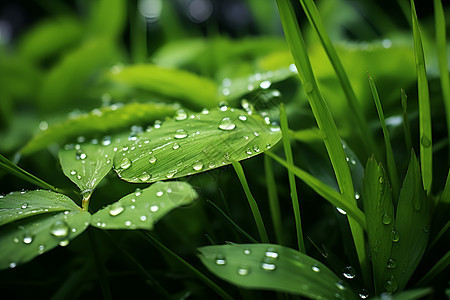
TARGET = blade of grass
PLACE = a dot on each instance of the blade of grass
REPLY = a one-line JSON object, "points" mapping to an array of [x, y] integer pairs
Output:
{"points": [[366, 137], [438, 267], [273, 200], [392, 168], [441, 47], [324, 120], [406, 125], [291, 177], [235, 225], [199, 274], [10, 167], [102, 276], [328, 193], [138, 33], [439, 235], [252, 202], [424, 105]]}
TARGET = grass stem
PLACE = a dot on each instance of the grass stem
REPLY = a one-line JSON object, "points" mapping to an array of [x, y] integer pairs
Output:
{"points": [[273, 199]]}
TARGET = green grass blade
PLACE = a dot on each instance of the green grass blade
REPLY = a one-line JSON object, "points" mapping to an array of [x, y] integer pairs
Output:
{"points": [[366, 137], [439, 235], [441, 47], [438, 267], [274, 267], [252, 202], [406, 124], [408, 295], [445, 196], [328, 193], [197, 273], [391, 165], [424, 106], [138, 33], [274, 203], [292, 185], [10, 167], [324, 120]]}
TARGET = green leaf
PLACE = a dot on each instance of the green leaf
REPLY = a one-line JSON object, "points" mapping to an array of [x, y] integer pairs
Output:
{"points": [[193, 143], [38, 222], [407, 295], [379, 210], [188, 88], [274, 267], [107, 18], [411, 232], [143, 208], [100, 121]]}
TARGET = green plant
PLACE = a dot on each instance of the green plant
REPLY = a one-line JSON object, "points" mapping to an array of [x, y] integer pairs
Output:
{"points": [[201, 106]]}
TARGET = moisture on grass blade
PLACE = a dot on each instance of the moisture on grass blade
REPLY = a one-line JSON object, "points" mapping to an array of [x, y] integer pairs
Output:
{"points": [[193, 143], [35, 222], [274, 267], [143, 208]]}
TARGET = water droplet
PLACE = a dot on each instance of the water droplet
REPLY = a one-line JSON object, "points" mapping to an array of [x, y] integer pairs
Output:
{"points": [[249, 151], [106, 140], [256, 148], [60, 229], [27, 239], [181, 115], [426, 230], [247, 251], [154, 208], [274, 128], [395, 236], [308, 87], [127, 223], [293, 68], [341, 211], [41, 249], [175, 146], [268, 266], [180, 134], [205, 111], [25, 205], [157, 124], [242, 118], [64, 243], [144, 176], [315, 268], [152, 159], [226, 92], [357, 196], [425, 141], [223, 106], [243, 270], [159, 193], [271, 253], [116, 209], [12, 265], [391, 284], [364, 294], [137, 193], [391, 263], [386, 219], [226, 124], [220, 260], [80, 155], [198, 166], [125, 163], [143, 218], [15, 240], [381, 179], [349, 272], [265, 84], [340, 285], [170, 174]]}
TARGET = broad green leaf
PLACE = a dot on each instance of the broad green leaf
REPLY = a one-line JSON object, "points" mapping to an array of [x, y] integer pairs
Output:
{"points": [[411, 232], [49, 37], [20, 205], [50, 220], [107, 18], [100, 121], [145, 207], [274, 267], [188, 88], [193, 143], [379, 211]]}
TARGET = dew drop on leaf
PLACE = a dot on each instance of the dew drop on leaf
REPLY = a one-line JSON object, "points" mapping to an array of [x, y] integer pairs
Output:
{"points": [[25, 205], [175, 146], [125, 163], [170, 174], [268, 266], [220, 260], [143, 218], [349, 272], [391, 263], [154, 208], [395, 236], [159, 193], [340, 285], [271, 253], [425, 141], [243, 270], [12, 265], [127, 223], [256, 148], [247, 251], [248, 151], [226, 124], [64, 243], [198, 166], [180, 134], [181, 115], [391, 285], [364, 294], [152, 159], [341, 211], [242, 118], [386, 218], [116, 209], [315, 268], [59, 229], [144, 176]]}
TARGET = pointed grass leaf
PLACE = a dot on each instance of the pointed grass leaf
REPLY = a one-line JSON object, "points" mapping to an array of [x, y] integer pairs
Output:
{"points": [[48, 219], [143, 208], [379, 210], [100, 121], [274, 267], [193, 143], [356, 169], [411, 232], [188, 88]]}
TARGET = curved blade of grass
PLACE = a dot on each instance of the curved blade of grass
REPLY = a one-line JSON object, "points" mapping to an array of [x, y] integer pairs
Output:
{"points": [[356, 169], [252, 202], [143, 208], [100, 121], [411, 232], [273, 267], [292, 185], [424, 106], [12, 168], [193, 143], [392, 167], [408, 295], [366, 137], [48, 220], [379, 211], [274, 203], [406, 125], [328, 193], [188, 88], [441, 47], [437, 268], [324, 120]]}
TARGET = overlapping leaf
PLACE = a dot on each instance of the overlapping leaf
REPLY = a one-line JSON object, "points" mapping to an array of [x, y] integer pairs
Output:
{"points": [[35, 222], [100, 121], [194, 143], [274, 267], [143, 208]]}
